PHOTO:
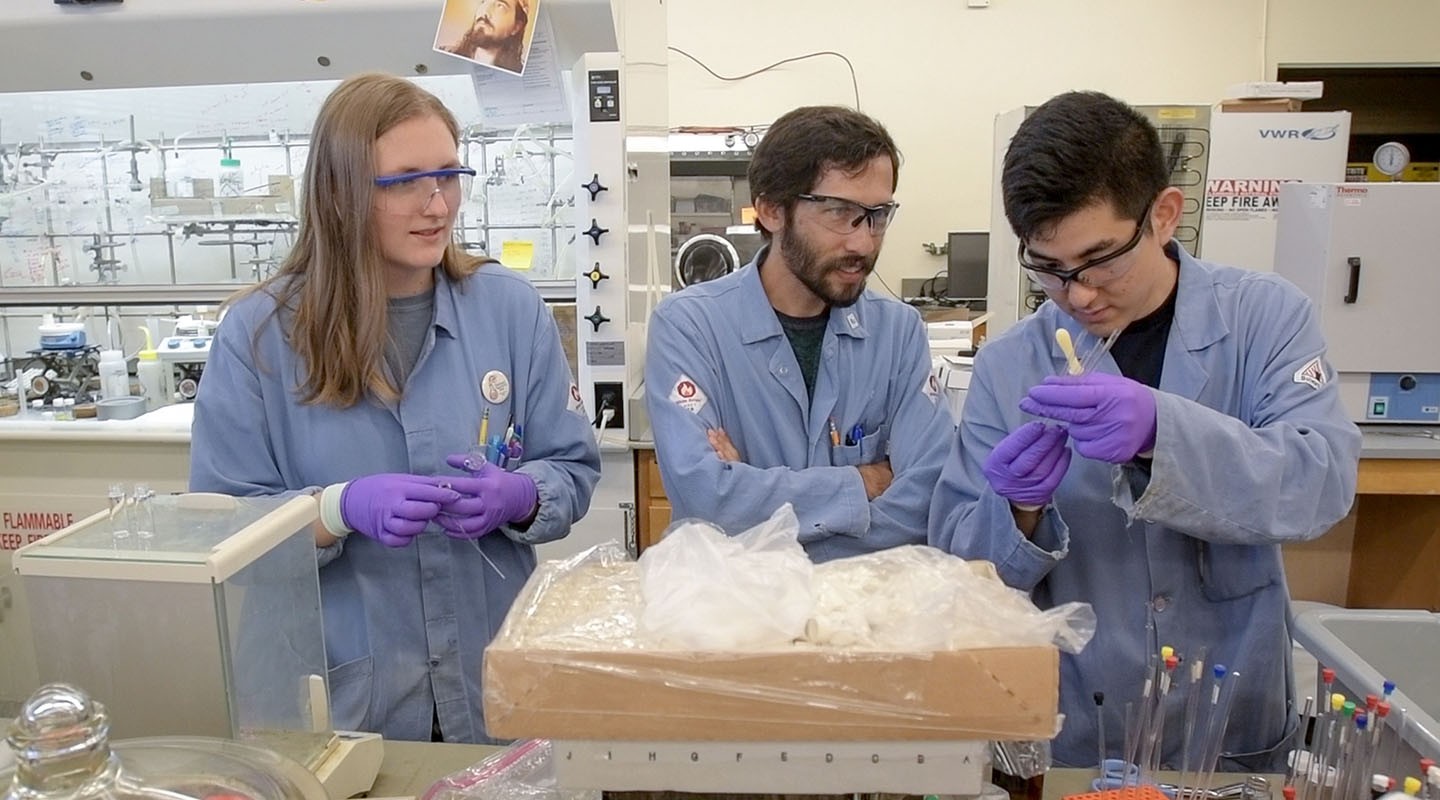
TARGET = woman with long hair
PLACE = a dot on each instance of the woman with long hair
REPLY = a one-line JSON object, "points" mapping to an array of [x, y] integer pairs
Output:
{"points": [[363, 373]]}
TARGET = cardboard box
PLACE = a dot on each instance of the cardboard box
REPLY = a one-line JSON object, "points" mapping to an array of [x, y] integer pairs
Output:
{"points": [[802, 695], [1270, 105], [1299, 90]]}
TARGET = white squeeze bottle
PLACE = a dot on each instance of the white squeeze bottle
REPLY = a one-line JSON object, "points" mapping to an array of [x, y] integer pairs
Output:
{"points": [[114, 375]]}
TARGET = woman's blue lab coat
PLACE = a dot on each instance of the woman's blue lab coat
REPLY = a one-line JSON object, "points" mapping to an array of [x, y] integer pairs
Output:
{"points": [[405, 628], [1252, 450], [722, 339]]}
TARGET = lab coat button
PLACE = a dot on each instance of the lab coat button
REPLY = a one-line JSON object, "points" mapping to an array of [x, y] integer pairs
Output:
{"points": [[1161, 602], [434, 662]]}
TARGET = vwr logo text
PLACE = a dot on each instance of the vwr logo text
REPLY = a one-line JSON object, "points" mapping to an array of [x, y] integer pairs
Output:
{"points": [[1313, 134]]}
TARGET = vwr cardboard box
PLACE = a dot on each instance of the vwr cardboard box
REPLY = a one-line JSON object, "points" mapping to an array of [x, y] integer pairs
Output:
{"points": [[1000, 693]]}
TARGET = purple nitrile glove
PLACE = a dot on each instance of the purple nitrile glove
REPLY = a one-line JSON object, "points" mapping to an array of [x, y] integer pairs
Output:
{"points": [[1026, 467], [393, 508], [1111, 418], [489, 498]]}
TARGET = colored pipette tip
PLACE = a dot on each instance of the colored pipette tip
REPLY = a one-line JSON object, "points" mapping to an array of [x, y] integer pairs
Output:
{"points": [[1389, 687], [1382, 709], [1327, 675], [1171, 662], [1371, 701], [1361, 721], [1412, 784], [1219, 671], [1349, 708], [1337, 701], [1072, 364], [1167, 651], [1289, 792]]}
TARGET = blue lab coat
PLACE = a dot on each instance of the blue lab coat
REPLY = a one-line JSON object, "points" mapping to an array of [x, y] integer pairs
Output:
{"points": [[405, 628], [1248, 455], [723, 338]]}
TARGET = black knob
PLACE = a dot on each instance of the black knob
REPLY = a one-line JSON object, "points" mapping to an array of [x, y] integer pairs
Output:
{"points": [[595, 276], [1407, 383], [594, 187], [595, 231], [596, 318]]}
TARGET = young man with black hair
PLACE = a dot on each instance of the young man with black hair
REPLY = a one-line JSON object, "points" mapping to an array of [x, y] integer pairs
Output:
{"points": [[1158, 485]]}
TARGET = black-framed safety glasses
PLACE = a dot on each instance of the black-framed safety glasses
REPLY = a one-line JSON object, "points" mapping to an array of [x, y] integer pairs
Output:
{"points": [[1103, 269], [842, 216]]}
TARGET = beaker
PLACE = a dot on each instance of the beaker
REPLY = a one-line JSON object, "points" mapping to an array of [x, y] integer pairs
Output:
{"points": [[143, 513], [119, 516]]}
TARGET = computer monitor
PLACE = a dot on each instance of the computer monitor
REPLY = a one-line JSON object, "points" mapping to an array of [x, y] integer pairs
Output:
{"points": [[968, 276]]}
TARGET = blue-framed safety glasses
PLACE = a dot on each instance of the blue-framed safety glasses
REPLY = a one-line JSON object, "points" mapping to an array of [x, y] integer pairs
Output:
{"points": [[413, 192]]}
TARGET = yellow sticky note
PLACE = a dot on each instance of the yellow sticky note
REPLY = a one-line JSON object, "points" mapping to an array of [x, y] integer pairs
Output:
{"points": [[517, 254], [747, 215]]}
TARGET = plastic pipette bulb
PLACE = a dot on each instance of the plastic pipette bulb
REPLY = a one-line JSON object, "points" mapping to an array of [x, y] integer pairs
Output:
{"points": [[1412, 785], [1072, 364]]}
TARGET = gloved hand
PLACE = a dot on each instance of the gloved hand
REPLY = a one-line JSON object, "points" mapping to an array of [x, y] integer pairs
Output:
{"points": [[1111, 418], [393, 508], [489, 498], [1026, 467]]}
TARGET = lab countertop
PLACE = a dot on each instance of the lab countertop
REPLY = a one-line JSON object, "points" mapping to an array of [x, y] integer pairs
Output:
{"points": [[410, 768], [1379, 442], [1400, 442], [167, 424]]}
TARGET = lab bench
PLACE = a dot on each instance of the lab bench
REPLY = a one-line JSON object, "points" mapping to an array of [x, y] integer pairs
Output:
{"points": [[1395, 559], [411, 767]]}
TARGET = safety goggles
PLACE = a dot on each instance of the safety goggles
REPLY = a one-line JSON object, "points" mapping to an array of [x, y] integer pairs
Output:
{"points": [[412, 192], [838, 215], [1097, 272]]}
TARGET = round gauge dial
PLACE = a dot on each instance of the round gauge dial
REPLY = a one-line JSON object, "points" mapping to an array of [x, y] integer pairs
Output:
{"points": [[1391, 158]]}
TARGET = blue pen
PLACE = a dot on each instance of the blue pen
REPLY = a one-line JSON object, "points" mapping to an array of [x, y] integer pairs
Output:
{"points": [[495, 453], [856, 434]]}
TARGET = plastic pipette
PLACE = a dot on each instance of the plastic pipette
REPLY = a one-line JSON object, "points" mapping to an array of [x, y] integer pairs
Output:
{"points": [[1393, 749], [1298, 749], [1072, 364], [1092, 358], [1150, 748], [1377, 725], [1215, 735], [1136, 727], [1192, 708]]}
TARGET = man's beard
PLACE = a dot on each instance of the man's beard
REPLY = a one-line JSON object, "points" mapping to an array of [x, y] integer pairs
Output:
{"points": [[477, 38], [805, 264]]}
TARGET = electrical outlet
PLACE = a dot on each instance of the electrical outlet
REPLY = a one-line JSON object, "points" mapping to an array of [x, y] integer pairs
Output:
{"points": [[610, 395]]}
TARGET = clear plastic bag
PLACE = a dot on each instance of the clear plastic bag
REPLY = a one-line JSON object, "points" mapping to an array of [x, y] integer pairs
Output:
{"points": [[906, 643], [523, 771], [705, 590], [917, 598]]}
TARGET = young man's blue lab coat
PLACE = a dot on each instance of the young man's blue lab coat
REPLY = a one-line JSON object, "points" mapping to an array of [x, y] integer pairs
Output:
{"points": [[405, 628], [1252, 449], [718, 358]]}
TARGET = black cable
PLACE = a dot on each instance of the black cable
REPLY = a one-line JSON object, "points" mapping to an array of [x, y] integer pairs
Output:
{"points": [[854, 84], [876, 273]]}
